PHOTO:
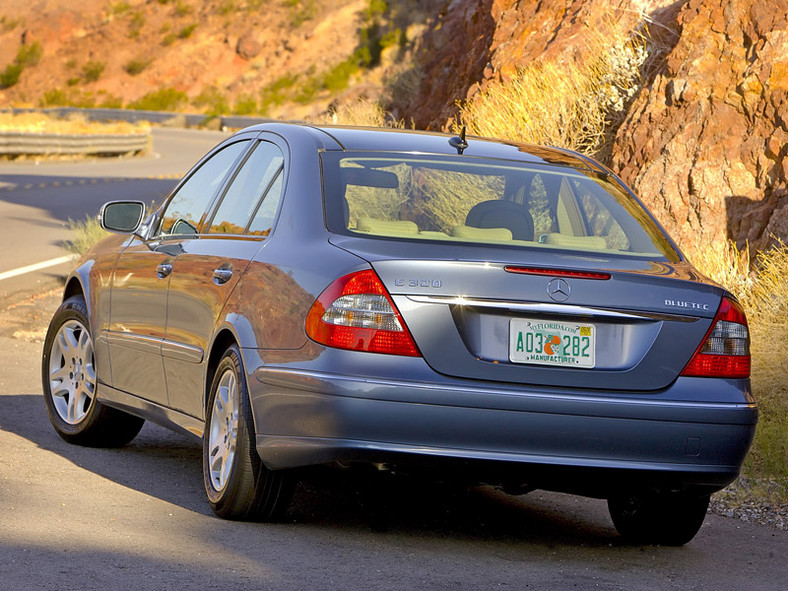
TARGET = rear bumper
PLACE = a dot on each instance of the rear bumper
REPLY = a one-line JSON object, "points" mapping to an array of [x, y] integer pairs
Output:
{"points": [[550, 438]]}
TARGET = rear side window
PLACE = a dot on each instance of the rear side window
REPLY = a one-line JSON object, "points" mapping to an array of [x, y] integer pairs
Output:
{"points": [[489, 202], [251, 190]]}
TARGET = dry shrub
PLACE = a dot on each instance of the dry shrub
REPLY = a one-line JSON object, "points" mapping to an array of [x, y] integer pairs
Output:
{"points": [[85, 233], [767, 311], [359, 113], [74, 124], [571, 104], [763, 291], [727, 265]]}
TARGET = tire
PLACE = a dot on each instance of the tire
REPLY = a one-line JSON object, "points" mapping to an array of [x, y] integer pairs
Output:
{"points": [[69, 381], [664, 519], [238, 485]]}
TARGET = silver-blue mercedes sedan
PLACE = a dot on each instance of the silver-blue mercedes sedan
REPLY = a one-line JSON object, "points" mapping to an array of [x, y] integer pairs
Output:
{"points": [[500, 313]]}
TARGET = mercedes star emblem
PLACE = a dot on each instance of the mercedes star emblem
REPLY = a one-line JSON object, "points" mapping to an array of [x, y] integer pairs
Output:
{"points": [[559, 290]]}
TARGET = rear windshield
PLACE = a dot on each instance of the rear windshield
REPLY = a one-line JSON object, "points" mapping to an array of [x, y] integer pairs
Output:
{"points": [[486, 202]]}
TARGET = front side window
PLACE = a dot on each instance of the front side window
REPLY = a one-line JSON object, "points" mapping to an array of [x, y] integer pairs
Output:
{"points": [[490, 202], [184, 213]]}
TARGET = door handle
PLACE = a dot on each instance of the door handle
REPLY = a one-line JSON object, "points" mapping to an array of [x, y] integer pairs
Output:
{"points": [[163, 270], [222, 275]]}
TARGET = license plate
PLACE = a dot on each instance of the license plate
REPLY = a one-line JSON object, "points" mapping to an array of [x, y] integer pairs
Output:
{"points": [[548, 342]]}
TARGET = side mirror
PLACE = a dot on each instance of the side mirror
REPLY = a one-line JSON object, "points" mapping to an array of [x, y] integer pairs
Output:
{"points": [[122, 217]]}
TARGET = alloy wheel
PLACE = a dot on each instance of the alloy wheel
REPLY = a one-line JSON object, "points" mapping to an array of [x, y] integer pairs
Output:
{"points": [[72, 375], [223, 433]]}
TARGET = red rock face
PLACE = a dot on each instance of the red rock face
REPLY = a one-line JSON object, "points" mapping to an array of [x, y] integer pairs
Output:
{"points": [[471, 42], [705, 143], [453, 54]]}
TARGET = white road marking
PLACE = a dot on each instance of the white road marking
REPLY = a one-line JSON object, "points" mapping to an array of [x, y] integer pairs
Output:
{"points": [[37, 266]]}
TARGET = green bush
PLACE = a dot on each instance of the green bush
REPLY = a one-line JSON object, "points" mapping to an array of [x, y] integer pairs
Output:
{"points": [[118, 8], [72, 98], [136, 25], [165, 99], [245, 105], [54, 98], [9, 24], [136, 66], [10, 76], [92, 71], [27, 55], [110, 101], [213, 101], [187, 31], [301, 11], [182, 9], [226, 7], [277, 92]]}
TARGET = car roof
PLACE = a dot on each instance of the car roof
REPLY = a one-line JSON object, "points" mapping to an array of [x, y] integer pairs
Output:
{"points": [[426, 142]]}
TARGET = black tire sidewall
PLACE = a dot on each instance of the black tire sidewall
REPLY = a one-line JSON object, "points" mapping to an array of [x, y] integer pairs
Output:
{"points": [[238, 492], [73, 308], [666, 519]]}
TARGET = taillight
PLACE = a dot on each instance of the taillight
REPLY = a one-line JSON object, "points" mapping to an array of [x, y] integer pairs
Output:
{"points": [[356, 312], [725, 352]]}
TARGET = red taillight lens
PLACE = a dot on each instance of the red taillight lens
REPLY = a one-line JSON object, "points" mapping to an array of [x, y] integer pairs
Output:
{"points": [[725, 352], [356, 312]]}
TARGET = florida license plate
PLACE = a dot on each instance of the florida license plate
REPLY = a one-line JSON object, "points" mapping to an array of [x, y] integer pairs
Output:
{"points": [[549, 342]]}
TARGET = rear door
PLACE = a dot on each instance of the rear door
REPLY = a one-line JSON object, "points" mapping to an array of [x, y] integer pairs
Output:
{"points": [[209, 266]]}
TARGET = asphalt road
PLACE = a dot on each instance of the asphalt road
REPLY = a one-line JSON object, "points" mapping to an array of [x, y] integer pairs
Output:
{"points": [[136, 517], [37, 200]]}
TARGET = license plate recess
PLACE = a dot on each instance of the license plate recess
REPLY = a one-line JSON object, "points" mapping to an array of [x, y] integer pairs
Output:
{"points": [[552, 342]]}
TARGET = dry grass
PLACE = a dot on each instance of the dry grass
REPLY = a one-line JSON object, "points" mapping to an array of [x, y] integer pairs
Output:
{"points": [[41, 123], [362, 113], [86, 233], [570, 105], [763, 290]]}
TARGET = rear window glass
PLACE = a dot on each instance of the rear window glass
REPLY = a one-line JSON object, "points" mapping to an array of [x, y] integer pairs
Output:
{"points": [[486, 202]]}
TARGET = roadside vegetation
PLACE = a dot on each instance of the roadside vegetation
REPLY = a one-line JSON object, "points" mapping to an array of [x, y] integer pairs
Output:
{"points": [[86, 233], [72, 125], [27, 56], [762, 288], [573, 104]]}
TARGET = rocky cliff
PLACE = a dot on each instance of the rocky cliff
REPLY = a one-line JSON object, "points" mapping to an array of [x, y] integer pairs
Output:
{"points": [[704, 141]]}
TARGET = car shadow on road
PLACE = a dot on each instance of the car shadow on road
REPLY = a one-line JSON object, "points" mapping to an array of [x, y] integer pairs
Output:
{"points": [[167, 465]]}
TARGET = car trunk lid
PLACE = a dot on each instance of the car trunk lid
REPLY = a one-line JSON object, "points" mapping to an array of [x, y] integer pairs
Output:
{"points": [[547, 322]]}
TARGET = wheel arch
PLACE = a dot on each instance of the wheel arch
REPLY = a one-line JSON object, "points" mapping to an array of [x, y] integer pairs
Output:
{"points": [[224, 339], [78, 284], [73, 288]]}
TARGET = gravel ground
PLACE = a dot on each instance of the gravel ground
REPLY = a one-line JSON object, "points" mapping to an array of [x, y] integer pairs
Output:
{"points": [[755, 501], [26, 316]]}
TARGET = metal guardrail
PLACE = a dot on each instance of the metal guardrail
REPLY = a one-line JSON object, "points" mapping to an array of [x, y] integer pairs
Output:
{"points": [[15, 142], [160, 117]]}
